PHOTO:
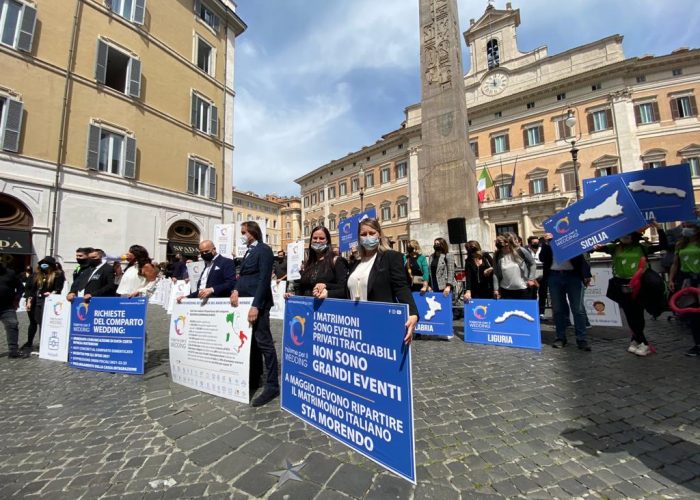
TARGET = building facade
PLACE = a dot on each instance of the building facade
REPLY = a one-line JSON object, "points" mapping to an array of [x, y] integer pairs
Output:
{"points": [[629, 114], [265, 210], [290, 218], [116, 119]]}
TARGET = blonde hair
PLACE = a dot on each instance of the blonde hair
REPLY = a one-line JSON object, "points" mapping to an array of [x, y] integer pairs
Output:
{"points": [[374, 224], [415, 245]]}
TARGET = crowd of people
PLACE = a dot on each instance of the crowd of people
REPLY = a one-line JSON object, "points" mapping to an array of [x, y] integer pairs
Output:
{"points": [[374, 272]]}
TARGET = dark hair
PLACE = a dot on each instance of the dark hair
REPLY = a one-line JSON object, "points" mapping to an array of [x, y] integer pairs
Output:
{"points": [[599, 302], [314, 264], [443, 245], [473, 243], [99, 251], [530, 238], [253, 229], [85, 250], [141, 255]]}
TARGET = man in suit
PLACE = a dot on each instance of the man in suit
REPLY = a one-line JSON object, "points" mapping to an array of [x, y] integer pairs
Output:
{"points": [[95, 280], [254, 281], [218, 277]]}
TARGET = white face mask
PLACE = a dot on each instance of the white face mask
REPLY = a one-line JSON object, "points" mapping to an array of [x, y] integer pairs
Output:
{"points": [[244, 240]]}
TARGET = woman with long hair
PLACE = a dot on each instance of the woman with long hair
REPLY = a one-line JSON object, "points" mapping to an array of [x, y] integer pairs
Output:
{"points": [[324, 274], [442, 268], [478, 271], [416, 265], [140, 275], [45, 281], [514, 269], [378, 275]]}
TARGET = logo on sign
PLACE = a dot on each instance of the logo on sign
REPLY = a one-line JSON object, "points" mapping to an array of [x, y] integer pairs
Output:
{"points": [[54, 342], [562, 225], [179, 323], [82, 311], [57, 308], [296, 330], [346, 229], [480, 312]]}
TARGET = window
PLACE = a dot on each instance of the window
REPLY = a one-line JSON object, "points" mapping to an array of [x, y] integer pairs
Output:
{"points": [[11, 112], [386, 213], [498, 114], [343, 188], [568, 181], [131, 10], [493, 56], [530, 105], [563, 131], [599, 120], [369, 179], [306, 230], [402, 207], [683, 107], [385, 175], [355, 211], [561, 97], [503, 191], [206, 15], [646, 112], [205, 56], [118, 70], [538, 186], [313, 199], [532, 136], [401, 170], [474, 145], [111, 152], [321, 221], [331, 192], [596, 86], [677, 72], [654, 164], [500, 144], [332, 225], [605, 171], [694, 165], [17, 22], [204, 115], [355, 184], [641, 78], [239, 217], [321, 196]]}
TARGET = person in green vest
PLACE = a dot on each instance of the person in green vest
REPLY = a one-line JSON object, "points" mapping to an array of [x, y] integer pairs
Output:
{"points": [[627, 253], [686, 270]]}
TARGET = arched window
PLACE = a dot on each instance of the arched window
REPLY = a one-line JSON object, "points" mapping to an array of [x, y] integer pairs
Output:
{"points": [[492, 53]]}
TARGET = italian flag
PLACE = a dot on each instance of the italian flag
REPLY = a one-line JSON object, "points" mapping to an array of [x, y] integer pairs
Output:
{"points": [[483, 184]]}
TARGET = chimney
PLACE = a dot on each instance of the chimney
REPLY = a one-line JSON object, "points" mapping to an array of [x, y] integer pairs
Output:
{"points": [[509, 6]]}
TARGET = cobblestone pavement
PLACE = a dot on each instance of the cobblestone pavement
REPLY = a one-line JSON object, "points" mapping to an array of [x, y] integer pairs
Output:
{"points": [[489, 422]]}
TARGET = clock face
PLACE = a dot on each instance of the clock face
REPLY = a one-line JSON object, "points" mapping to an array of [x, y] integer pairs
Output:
{"points": [[495, 83]]}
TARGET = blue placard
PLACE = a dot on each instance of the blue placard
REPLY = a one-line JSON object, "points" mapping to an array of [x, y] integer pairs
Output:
{"points": [[602, 216], [108, 334], [346, 371], [435, 312], [347, 229], [508, 323], [663, 194]]}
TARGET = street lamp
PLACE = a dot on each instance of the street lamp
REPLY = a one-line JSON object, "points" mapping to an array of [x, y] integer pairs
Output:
{"points": [[361, 181], [570, 122]]}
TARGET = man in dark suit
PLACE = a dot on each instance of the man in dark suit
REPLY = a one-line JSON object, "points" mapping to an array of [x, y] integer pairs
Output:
{"points": [[218, 277], [254, 281], [95, 280]]}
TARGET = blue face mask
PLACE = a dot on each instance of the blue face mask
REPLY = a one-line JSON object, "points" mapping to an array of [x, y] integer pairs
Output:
{"points": [[44, 267], [369, 242]]}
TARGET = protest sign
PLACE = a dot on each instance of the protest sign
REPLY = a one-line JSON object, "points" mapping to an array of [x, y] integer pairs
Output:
{"points": [[178, 289], [603, 216], [347, 229], [55, 328], [295, 257], [435, 312], [224, 237], [278, 291], [663, 194], [210, 347], [509, 323], [108, 334], [601, 310], [194, 272], [346, 371]]}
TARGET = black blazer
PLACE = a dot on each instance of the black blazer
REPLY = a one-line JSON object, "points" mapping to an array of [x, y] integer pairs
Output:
{"points": [[387, 281], [255, 276], [582, 268], [100, 284], [222, 278]]}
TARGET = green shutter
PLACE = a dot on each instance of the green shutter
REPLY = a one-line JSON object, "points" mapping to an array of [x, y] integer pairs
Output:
{"points": [[190, 176], [139, 11], [130, 163], [26, 29], [13, 126], [93, 148], [135, 78], [101, 63], [212, 183]]}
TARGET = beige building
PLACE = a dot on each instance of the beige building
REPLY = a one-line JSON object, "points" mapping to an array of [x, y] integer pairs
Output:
{"points": [[116, 120], [265, 210], [290, 218], [630, 114]]}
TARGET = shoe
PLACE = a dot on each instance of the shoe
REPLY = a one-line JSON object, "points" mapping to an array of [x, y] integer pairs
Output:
{"points": [[267, 395], [584, 346], [693, 351], [633, 346], [559, 344], [18, 355], [642, 350], [26, 347]]}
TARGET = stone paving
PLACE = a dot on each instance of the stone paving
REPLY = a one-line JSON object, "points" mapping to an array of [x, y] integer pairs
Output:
{"points": [[489, 421]]}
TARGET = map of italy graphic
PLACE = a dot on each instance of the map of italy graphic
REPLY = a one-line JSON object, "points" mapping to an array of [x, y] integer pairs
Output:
{"points": [[231, 319]]}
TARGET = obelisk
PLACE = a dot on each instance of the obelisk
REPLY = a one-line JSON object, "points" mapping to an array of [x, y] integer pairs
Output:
{"points": [[446, 165]]}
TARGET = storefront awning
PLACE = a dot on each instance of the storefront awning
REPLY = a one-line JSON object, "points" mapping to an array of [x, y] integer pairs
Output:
{"points": [[187, 249], [15, 242]]}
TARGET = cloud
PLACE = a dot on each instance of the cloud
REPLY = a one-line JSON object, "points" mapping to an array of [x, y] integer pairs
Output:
{"points": [[609, 208]]}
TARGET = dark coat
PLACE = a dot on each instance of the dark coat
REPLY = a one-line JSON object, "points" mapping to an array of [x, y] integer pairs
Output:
{"points": [[36, 291], [222, 278], [582, 268], [10, 288], [255, 275], [387, 281], [98, 284]]}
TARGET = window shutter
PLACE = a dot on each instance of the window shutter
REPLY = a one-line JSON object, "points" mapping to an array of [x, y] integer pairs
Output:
{"points": [[637, 115], [140, 11], [214, 125], [13, 126], [215, 23], [546, 186], [609, 119], [93, 149], [135, 78], [541, 134], [507, 142], [525, 142], [101, 65], [190, 176], [655, 111], [591, 125], [674, 108], [130, 162], [195, 107], [197, 6], [493, 146], [693, 106], [561, 127], [26, 30], [212, 183]]}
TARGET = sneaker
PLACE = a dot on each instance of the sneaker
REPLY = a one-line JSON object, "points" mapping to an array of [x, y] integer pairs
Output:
{"points": [[693, 351], [584, 346], [559, 344], [268, 394], [642, 350], [633, 346]]}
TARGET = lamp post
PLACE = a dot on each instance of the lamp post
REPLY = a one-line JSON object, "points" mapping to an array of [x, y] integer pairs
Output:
{"points": [[361, 181], [570, 122]]}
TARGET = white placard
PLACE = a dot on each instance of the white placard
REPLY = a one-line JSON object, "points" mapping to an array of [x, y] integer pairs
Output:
{"points": [[167, 288], [194, 271], [159, 293], [224, 236], [210, 347], [177, 289], [242, 248], [278, 290], [55, 328], [601, 310], [295, 257]]}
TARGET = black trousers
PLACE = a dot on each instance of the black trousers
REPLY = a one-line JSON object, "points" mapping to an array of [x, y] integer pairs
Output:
{"points": [[523, 294], [542, 293], [35, 314], [262, 349], [634, 312]]}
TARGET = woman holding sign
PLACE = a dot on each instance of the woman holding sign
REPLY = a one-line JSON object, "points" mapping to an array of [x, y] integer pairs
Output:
{"points": [[379, 274], [324, 275], [46, 280]]}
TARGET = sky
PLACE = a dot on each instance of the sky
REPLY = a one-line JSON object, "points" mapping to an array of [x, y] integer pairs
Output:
{"points": [[318, 79]]}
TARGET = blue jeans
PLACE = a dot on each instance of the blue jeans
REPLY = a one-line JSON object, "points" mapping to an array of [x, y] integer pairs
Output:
{"points": [[563, 285], [8, 318]]}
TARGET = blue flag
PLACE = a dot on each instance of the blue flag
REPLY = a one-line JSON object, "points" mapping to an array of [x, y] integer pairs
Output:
{"points": [[347, 229]]}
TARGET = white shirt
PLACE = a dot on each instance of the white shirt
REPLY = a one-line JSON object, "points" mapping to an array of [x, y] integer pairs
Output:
{"points": [[205, 274], [131, 281], [358, 280]]}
